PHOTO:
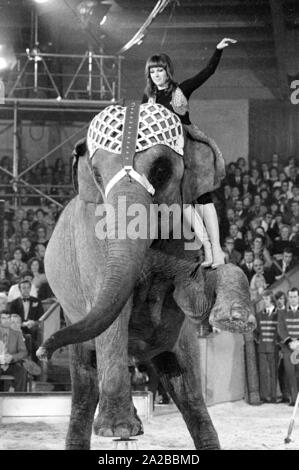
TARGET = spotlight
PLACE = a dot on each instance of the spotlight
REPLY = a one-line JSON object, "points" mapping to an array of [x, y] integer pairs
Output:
{"points": [[3, 63], [103, 20], [7, 57], [91, 11], [41, 1]]}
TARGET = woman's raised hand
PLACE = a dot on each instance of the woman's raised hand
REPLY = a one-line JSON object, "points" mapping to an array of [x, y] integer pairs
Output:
{"points": [[225, 42]]}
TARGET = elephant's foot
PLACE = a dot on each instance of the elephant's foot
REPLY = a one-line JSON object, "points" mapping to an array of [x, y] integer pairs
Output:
{"points": [[235, 320], [112, 422]]}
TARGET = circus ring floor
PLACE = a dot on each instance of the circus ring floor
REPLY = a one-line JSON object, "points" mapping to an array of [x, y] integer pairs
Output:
{"points": [[239, 426]]}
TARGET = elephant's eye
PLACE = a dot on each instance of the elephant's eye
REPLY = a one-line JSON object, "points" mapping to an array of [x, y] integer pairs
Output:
{"points": [[160, 172]]}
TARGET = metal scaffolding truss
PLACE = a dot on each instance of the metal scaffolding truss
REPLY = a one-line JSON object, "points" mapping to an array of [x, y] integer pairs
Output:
{"points": [[65, 76], [17, 180], [68, 83]]}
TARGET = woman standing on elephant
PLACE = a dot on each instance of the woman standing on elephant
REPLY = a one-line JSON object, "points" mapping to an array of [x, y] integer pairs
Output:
{"points": [[162, 89]]}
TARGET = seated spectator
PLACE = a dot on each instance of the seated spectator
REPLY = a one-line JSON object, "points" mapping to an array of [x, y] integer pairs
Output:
{"points": [[267, 240], [54, 211], [236, 179], [225, 222], [16, 322], [248, 237], [25, 230], [281, 300], [274, 208], [39, 252], [41, 236], [246, 187], [262, 272], [230, 173], [260, 251], [14, 291], [235, 195], [291, 164], [258, 282], [265, 172], [273, 175], [241, 209], [242, 164], [40, 219], [254, 211], [30, 217], [27, 248], [50, 226], [16, 267], [36, 268], [284, 265], [231, 255], [246, 263], [236, 235], [285, 190], [255, 178], [281, 242], [275, 161], [292, 216], [12, 352], [30, 310], [253, 163], [266, 222], [293, 176], [275, 226]]}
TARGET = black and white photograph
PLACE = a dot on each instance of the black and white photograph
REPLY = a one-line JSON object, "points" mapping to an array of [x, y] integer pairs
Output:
{"points": [[149, 228]]}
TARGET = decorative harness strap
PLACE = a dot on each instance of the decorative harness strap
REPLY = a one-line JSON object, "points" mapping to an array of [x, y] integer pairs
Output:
{"points": [[129, 140], [134, 129]]}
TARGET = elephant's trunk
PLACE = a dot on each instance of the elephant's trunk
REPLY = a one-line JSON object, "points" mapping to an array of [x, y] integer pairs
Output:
{"points": [[123, 267]]}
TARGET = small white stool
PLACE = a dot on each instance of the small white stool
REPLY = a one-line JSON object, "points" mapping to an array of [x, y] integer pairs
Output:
{"points": [[125, 444]]}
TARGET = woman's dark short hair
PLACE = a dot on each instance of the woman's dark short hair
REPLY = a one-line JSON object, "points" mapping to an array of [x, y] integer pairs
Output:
{"points": [[159, 60]]}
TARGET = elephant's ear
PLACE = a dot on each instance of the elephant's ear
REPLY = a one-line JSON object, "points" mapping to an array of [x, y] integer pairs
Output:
{"points": [[204, 166], [82, 177]]}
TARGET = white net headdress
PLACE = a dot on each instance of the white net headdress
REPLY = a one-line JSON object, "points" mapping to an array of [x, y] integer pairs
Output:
{"points": [[157, 125]]}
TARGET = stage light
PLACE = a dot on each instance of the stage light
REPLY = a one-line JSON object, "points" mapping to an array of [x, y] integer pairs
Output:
{"points": [[7, 57], [103, 20], [93, 12], [41, 1], [3, 63]]}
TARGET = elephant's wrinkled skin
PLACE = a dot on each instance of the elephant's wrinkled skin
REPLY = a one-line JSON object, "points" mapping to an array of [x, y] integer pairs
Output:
{"points": [[105, 284]]}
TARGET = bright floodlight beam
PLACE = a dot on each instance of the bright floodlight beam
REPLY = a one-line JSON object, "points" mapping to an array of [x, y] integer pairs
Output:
{"points": [[103, 20], [3, 63]]}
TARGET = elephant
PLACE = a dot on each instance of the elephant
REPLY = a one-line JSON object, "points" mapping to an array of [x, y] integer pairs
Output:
{"points": [[139, 296]]}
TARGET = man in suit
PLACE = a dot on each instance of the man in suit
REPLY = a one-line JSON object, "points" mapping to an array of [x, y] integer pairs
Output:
{"points": [[13, 350], [280, 267], [266, 338], [14, 291], [247, 264], [30, 310], [288, 332]]}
